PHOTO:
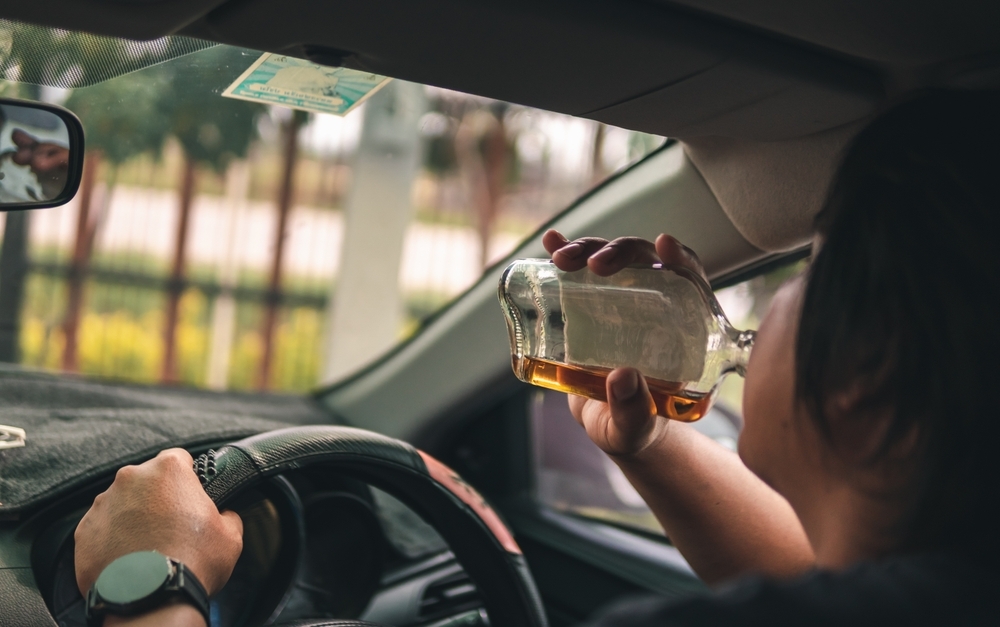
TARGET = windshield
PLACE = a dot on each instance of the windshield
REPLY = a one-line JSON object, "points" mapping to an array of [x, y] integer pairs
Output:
{"points": [[239, 244]]}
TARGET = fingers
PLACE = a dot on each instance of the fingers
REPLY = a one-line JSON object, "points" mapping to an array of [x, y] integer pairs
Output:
{"points": [[232, 526], [170, 467], [571, 256], [604, 258], [673, 253], [553, 240], [621, 253], [175, 464]]}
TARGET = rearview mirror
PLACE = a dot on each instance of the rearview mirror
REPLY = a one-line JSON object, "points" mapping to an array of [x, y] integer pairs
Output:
{"points": [[41, 155]]}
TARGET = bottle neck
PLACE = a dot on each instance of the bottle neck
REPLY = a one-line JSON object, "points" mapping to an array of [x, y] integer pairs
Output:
{"points": [[739, 352]]}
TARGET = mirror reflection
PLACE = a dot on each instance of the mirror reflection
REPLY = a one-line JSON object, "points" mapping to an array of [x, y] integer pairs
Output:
{"points": [[34, 154]]}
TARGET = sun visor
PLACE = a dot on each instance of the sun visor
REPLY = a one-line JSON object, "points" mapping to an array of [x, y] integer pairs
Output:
{"points": [[771, 191]]}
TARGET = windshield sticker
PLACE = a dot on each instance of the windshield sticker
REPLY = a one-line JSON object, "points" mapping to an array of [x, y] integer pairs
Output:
{"points": [[285, 81]]}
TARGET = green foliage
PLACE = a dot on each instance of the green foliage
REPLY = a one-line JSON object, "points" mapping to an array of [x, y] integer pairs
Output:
{"points": [[211, 129], [60, 65], [134, 114], [123, 117], [10, 90], [121, 329], [41, 55]]}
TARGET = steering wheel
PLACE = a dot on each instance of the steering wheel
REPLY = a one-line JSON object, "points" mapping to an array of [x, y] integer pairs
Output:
{"points": [[474, 532]]}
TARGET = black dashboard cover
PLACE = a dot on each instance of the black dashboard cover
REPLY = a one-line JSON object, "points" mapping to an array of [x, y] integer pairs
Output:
{"points": [[79, 430]]}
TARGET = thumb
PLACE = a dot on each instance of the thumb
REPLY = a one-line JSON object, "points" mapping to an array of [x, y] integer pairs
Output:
{"points": [[232, 523], [216, 565], [633, 411]]}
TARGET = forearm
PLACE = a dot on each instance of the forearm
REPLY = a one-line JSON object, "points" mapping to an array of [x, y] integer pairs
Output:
{"points": [[724, 520], [178, 615]]}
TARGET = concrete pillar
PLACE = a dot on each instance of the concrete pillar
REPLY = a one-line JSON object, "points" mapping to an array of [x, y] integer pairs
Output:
{"points": [[366, 310]]}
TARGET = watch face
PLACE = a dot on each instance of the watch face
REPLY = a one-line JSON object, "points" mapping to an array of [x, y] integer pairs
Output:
{"points": [[133, 577]]}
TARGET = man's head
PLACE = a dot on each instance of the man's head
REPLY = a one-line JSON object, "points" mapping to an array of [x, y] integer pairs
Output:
{"points": [[884, 349]]}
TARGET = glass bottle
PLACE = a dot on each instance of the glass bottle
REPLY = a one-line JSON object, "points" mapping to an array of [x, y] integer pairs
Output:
{"points": [[569, 330]]}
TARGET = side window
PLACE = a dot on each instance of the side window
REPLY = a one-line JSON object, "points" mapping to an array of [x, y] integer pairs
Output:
{"points": [[575, 476]]}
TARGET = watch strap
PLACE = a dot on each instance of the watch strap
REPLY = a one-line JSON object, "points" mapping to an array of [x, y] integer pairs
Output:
{"points": [[190, 589]]}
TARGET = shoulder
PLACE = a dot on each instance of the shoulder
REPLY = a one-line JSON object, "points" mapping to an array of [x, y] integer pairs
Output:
{"points": [[921, 590]]}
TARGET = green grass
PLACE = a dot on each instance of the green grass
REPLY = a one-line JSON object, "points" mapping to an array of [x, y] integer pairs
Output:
{"points": [[121, 328]]}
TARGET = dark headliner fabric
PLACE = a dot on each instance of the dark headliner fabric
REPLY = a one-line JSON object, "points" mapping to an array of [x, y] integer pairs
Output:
{"points": [[78, 431]]}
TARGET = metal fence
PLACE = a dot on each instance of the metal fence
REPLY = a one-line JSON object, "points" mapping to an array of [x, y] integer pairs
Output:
{"points": [[163, 270]]}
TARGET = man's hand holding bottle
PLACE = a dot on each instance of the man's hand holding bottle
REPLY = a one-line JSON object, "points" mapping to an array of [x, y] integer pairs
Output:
{"points": [[626, 425]]}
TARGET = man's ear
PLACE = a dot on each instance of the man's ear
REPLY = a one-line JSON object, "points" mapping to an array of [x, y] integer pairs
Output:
{"points": [[860, 419], [857, 424]]}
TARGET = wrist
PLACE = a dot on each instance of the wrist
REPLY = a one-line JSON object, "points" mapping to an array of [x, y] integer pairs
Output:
{"points": [[173, 615], [141, 583]]}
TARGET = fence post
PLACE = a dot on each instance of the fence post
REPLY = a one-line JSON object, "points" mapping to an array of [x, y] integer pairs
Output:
{"points": [[224, 307], [274, 282], [175, 286], [78, 264]]}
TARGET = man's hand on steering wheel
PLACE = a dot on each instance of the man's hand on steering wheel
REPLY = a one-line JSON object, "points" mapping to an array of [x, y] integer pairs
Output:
{"points": [[161, 506]]}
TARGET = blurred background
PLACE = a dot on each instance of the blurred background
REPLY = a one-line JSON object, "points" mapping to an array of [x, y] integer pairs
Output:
{"points": [[225, 244]]}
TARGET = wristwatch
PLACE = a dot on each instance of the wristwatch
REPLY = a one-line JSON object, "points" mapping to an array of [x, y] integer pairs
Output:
{"points": [[140, 582]]}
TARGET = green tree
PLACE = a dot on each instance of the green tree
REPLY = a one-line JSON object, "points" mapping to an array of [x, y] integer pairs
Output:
{"points": [[212, 130], [122, 117]]}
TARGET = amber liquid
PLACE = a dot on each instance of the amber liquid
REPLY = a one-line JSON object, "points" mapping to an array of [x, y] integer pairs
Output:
{"points": [[669, 398]]}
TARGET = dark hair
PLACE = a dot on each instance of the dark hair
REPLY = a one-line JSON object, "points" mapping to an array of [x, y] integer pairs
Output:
{"points": [[899, 311]]}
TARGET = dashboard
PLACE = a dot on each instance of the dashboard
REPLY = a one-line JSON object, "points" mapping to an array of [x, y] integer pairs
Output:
{"points": [[315, 546]]}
